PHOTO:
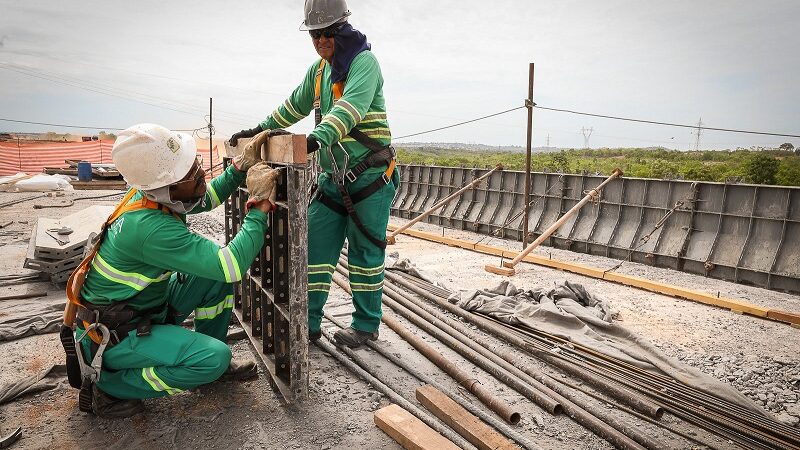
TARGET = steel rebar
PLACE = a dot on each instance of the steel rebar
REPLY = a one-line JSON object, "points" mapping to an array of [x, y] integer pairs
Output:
{"points": [[358, 368], [499, 425]]}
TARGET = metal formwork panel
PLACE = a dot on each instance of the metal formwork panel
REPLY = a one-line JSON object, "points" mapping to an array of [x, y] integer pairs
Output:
{"points": [[271, 301], [742, 233]]}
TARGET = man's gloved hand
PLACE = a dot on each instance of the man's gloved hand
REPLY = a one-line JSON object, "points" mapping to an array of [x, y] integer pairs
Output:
{"points": [[312, 144], [234, 140], [252, 151], [262, 183]]}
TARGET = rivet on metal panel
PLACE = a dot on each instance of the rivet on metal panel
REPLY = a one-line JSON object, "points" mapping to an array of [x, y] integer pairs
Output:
{"points": [[709, 266]]}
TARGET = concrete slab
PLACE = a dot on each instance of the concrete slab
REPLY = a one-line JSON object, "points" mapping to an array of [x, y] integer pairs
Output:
{"points": [[83, 223]]}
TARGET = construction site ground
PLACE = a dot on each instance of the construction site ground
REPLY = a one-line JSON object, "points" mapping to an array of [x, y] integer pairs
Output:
{"points": [[758, 357]]}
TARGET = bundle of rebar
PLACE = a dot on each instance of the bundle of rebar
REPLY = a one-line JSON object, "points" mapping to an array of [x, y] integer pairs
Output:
{"points": [[639, 392]]}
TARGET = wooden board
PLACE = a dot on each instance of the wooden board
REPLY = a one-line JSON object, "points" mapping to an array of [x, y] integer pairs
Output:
{"points": [[462, 421], [641, 283], [409, 431], [99, 184], [288, 148]]}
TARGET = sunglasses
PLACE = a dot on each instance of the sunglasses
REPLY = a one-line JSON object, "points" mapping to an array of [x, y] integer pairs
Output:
{"points": [[327, 32], [194, 176]]}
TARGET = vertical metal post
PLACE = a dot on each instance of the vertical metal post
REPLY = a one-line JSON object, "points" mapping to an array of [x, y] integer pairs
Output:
{"points": [[19, 154], [211, 136], [529, 103]]}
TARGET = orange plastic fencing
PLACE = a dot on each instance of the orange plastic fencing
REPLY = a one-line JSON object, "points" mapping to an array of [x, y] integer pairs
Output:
{"points": [[32, 157]]}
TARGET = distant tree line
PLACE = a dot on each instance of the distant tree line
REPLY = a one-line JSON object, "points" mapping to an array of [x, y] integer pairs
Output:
{"points": [[778, 166]]}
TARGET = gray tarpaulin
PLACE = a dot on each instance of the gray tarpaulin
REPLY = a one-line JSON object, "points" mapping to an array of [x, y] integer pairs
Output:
{"points": [[570, 312], [31, 384], [20, 318]]}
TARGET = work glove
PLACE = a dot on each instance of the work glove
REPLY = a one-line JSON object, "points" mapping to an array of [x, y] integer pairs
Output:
{"points": [[312, 144], [234, 140], [252, 151], [262, 184]]}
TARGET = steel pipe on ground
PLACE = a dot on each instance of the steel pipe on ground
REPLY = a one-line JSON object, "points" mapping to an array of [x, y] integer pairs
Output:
{"points": [[360, 368], [628, 397], [499, 425], [464, 379], [620, 434]]}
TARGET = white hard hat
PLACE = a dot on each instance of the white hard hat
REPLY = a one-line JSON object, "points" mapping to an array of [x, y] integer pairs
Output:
{"points": [[320, 14], [150, 156]]}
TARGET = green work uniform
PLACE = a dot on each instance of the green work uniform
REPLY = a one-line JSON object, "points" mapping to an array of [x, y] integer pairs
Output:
{"points": [[152, 261], [362, 107]]}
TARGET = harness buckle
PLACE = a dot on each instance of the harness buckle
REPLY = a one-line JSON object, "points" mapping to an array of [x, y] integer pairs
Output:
{"points": [[351, 177], [385, 178]]}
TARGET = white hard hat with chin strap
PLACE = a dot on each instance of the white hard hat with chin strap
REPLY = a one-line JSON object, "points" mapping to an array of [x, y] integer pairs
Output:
{"points": [[321, 14], [150, 156]]}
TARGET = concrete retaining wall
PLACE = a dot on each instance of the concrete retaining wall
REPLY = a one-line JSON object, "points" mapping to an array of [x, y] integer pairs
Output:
{"points": [[743, 233]]}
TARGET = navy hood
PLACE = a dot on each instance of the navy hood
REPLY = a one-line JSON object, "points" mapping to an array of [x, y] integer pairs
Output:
{"points": [[348, 43]]}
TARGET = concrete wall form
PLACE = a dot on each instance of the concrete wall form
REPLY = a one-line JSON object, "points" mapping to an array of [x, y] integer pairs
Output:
{"points": [[747, 234]]}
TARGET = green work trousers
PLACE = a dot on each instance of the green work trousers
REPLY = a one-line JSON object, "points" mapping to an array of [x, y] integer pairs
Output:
{"points": [[327, 230], [173, 359]]}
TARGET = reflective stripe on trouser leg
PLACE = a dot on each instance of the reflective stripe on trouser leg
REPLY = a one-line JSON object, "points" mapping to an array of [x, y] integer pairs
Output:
{"points": [[365, 259], [211, 301], [326, 232], [170, 360]]}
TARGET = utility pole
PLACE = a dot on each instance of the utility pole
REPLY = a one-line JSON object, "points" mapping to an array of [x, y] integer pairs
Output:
{"points": [[548, 141], [587, 133], [211, 136], [529, 103], [697, 134]]}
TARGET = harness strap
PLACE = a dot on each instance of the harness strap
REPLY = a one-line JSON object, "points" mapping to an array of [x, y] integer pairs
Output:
{"points": [[75, 303]]}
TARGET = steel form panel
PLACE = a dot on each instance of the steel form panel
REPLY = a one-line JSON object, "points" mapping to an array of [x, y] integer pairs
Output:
{"points": [[271, 301], [723, 231]]}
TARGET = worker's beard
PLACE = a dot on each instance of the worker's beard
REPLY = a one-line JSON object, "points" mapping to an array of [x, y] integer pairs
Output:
{"points": [[162, 196]]}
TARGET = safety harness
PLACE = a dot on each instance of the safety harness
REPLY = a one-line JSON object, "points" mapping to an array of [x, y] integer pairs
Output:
{"points": [[105, 326], [380, 156]]}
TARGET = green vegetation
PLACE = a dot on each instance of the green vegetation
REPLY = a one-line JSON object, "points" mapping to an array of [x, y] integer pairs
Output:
{"points": [[755, 165]]}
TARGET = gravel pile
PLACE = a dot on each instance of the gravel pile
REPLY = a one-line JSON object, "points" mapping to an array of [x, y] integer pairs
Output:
{"points": [[210, 225], [773, 383]]}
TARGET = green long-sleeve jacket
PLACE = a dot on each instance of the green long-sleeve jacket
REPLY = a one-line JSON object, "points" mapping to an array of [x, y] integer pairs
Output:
{"points": [[143, 248], [362, 106]]}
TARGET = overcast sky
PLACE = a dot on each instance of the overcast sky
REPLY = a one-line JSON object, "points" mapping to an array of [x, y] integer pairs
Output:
{"points": [[111, 64]]}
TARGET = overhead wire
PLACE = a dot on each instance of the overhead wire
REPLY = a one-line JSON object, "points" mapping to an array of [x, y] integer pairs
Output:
{"points": [[84, 126]]}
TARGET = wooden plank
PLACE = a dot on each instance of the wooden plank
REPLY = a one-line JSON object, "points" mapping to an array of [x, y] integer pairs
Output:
{"points": [[99, 184], [287, 148], [627, 280], [462, 421], [408, 431]]}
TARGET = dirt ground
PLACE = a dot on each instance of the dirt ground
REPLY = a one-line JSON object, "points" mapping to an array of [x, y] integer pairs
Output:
{"points": [[754, 355]]}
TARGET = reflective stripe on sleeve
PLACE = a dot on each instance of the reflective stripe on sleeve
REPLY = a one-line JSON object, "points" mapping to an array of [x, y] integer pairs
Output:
{"points": [[212, 193], [229, 265], [276, 115], [291, 109]]}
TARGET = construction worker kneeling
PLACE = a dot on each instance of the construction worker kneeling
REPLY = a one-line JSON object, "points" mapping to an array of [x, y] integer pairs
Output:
{"points": [[146, 272]]}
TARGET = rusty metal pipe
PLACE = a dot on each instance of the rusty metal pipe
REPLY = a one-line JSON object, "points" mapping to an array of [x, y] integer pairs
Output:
{"points": [[462, 378], [490, 419], [631, 398], [360, 368], [499, 368], [620, 434]]}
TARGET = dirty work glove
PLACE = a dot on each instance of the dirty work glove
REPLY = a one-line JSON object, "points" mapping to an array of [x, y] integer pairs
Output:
{"points": [[312, 144], [245, 134], [262, 183], [252, 151]]}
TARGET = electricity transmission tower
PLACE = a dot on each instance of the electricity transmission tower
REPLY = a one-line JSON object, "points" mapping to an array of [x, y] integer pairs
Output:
{"points": [[587, 133], [697, 134]]}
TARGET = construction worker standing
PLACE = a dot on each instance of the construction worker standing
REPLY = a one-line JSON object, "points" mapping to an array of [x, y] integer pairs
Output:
{"points": [[150, 272], [358, 180]]}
